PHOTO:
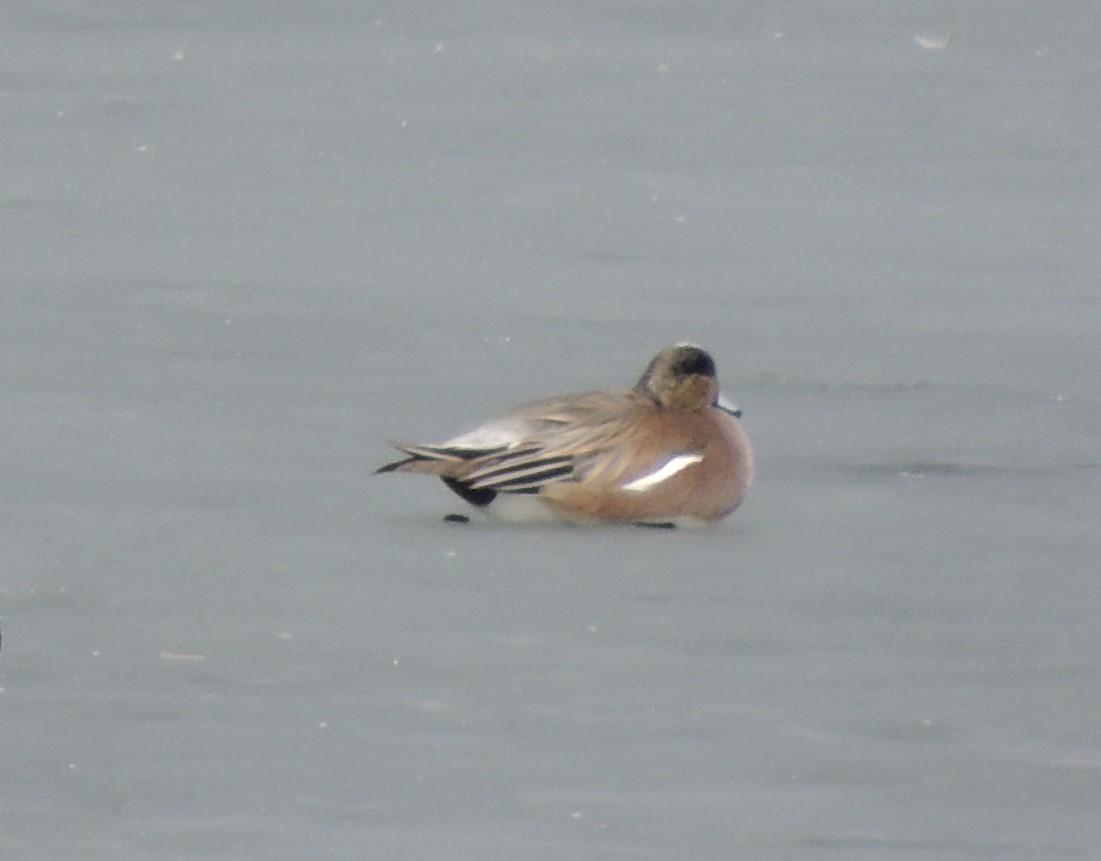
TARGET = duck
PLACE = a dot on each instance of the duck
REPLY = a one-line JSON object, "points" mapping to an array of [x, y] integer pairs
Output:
{"points": [[670, 451]]}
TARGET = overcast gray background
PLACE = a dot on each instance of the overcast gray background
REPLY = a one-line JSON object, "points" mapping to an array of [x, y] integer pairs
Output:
{"points": [[244, 244]]}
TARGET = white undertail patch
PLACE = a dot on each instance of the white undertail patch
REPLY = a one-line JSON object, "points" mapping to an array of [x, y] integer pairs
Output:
{"points": [[670, 468]]}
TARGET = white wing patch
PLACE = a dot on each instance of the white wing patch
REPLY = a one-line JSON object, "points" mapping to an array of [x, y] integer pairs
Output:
{"points": [[670, 468], [496, 434]]}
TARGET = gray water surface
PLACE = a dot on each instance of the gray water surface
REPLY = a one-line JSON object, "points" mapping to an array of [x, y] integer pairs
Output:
{"points": [[245, 244]]}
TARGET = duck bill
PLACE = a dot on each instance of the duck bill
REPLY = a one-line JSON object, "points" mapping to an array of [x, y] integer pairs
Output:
{"points": [[728, 407]]}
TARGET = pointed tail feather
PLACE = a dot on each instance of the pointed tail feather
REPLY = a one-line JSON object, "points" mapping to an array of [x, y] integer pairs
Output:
{"points": [[434, 460]]}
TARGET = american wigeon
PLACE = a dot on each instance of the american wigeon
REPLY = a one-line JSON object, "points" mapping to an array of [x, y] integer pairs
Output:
{"points": [[669, 451]]}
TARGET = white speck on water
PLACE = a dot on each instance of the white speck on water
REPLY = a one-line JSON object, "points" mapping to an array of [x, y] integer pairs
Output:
{"points": [[182, 656], [933, 41]]}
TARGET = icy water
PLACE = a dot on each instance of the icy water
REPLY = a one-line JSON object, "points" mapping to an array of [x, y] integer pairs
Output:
{"points": [[246, 243]]}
